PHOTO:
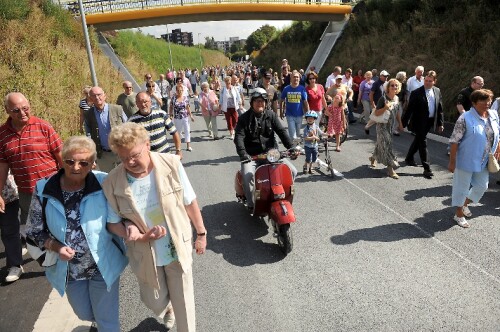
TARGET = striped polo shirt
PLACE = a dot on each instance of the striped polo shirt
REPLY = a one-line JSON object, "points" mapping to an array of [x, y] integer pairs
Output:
{"points": [[157, 123], [29, 153]]}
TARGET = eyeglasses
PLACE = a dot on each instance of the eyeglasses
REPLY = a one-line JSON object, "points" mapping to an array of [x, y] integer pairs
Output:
{"points": [[479, 83], [71, 162], [133, 157], [17, 110], [128, 87], [312, 78], [148, 77], [149, 86]]}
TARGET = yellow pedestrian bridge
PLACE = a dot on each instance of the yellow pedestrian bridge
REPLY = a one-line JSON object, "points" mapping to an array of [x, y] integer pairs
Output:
{"points": [[123, 14]]}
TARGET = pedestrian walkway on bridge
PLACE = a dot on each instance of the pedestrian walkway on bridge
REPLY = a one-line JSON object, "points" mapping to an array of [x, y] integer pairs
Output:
{"points": [[123, 14]]}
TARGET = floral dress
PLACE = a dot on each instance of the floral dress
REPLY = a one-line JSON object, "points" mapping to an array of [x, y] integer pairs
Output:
{"points": [[383, 147], [180, 107], [335, 125]]}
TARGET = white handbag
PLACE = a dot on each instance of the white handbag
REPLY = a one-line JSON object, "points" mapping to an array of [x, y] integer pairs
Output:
{"points": [[384, 118]]}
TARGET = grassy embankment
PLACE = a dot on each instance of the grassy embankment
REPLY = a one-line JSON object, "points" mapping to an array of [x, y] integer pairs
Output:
{"points": [[141, 54], [296, 43], [457, 38], [43, 56]]}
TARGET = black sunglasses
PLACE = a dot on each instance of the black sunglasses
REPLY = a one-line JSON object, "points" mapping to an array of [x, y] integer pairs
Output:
{"points": [[17, 110], [71, 162]]}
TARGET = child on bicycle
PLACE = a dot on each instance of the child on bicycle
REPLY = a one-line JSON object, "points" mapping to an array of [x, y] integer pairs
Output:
{"points": [[312, 134], [336, 118]]}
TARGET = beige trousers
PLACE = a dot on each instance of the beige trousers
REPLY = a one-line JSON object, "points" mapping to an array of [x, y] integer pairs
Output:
{"points": [[176, 287]]}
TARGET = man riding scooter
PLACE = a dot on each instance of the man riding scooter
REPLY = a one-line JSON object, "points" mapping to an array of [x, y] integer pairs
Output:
{"points": [[254, 134]]}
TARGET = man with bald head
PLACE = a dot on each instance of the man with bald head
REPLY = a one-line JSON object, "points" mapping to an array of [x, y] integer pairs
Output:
{"points": [[29, 147], [157, 123], [127, 99], [99, 121]]}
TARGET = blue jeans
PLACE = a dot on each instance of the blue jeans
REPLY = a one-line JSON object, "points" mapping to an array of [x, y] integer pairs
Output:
{"points": [[311, 154], [91, 301], [294, 124], [471, 185]]}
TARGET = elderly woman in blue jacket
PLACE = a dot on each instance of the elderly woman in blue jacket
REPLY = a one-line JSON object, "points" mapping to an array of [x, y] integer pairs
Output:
{"points": [[68, 215], [476, 134]]}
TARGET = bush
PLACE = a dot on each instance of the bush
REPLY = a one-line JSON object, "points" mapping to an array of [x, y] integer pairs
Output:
{"points": [[14, 9]]}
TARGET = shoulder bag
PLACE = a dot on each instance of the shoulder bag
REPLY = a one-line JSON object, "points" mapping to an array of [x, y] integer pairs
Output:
{"points": [[493, 166]]}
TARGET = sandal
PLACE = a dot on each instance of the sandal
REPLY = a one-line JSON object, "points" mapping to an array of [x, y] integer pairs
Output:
{"points": [[304, 169], [373, 162], [337, 149]]}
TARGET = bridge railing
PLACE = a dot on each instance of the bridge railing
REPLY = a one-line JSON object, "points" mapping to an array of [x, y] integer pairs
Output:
{"points": [[111, 6]]}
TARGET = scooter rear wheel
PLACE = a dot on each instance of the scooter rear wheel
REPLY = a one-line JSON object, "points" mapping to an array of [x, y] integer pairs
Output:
{"points": [[285, 241]]}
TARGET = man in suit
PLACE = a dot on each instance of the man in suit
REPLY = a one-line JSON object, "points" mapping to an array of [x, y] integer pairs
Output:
{"points": [[425, 111], [99, 121]]}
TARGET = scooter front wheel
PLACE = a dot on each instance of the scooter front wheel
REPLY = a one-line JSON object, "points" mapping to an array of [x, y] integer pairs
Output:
{"points": [[285, 241]]}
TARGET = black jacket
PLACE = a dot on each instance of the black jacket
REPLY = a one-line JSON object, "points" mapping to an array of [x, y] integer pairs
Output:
{"points": [[417, 113], [251, 139]]}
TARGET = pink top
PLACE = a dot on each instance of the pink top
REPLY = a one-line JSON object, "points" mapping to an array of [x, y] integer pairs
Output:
{"points": [[208, 101], [314, 98]]}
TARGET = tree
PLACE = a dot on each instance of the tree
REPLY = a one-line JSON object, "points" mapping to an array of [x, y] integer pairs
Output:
{"points": [[259, 37], [255, 41], [268, 31], [235, 47], [210, 43]]}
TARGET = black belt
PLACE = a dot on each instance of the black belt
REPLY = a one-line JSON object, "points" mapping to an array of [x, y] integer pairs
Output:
{"points": [[106, 150]]}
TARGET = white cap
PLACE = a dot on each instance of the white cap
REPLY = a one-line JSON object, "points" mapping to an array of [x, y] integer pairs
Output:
{"points": [[384, 73], [338, 76]]}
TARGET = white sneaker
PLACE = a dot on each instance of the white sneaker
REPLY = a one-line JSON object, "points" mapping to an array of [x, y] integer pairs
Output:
{"points": [[14, 274], [467, 212], [461, 221], [24, 251], [169, 319]]}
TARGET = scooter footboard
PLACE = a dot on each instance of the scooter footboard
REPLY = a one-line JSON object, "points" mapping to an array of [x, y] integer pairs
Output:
{"points": [[282, 212]]}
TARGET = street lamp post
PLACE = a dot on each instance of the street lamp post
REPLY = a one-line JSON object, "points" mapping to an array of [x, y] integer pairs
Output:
{"points": [[199, 48], [169, 49], [87, 44]]}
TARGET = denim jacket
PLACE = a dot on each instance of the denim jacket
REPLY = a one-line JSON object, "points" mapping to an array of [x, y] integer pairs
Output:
{"points": [[107, 249], [471, 155]]}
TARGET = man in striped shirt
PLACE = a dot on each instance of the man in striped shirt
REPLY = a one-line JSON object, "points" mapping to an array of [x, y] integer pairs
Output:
{"points": [[157, 123], [29, 146]]}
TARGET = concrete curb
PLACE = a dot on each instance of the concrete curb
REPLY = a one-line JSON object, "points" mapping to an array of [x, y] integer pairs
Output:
{"points": [[58, 316]]}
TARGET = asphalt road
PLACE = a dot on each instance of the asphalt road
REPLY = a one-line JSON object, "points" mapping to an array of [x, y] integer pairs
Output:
{"points": [[370, 253]]}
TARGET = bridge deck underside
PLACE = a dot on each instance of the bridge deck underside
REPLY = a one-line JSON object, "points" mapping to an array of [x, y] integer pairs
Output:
{"points": [[219, 12]]}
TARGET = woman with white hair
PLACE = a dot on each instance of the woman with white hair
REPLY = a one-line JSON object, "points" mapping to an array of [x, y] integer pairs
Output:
{"points": [[209, 109]]}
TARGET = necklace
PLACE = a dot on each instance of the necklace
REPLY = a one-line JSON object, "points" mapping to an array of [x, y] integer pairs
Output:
{"points": [[71, 188]]}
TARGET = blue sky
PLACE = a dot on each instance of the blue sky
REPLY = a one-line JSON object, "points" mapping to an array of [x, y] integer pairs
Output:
{"points": [[220, 30]]}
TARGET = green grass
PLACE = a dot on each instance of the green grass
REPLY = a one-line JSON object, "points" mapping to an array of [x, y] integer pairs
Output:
{"points": [[154, 53]]}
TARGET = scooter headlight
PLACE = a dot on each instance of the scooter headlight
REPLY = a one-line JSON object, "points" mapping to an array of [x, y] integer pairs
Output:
{"points": [[273, 155]]}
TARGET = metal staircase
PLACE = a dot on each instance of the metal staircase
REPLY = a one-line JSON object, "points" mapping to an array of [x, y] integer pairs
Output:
{"points": [[328, 40]]}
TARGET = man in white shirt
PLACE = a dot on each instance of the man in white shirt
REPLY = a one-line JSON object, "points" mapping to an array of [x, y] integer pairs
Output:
{"points": [[415, 81], [330, 80]]}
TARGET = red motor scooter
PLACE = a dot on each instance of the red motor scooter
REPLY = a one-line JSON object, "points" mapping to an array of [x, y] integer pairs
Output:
{"points": [[273, 195]]}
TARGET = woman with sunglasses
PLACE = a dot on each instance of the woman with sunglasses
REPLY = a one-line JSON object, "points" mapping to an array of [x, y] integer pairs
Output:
{"points": [[180, 111], [156, 102], [68, 215], [315, 95], [383, 153]]}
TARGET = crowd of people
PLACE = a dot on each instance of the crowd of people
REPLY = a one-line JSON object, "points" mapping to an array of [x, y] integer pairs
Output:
{"points": [[61, 197]]}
